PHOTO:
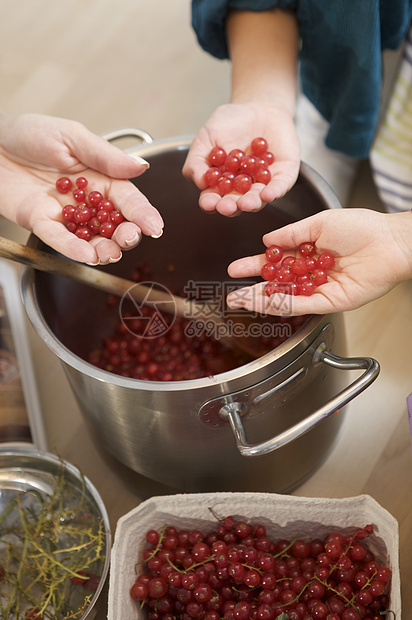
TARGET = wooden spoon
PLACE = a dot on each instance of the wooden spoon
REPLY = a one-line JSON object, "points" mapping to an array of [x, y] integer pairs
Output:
{"points": [[43, 261]]}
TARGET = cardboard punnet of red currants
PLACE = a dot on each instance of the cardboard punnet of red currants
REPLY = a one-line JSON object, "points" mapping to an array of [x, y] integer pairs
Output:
{"points": [[285, 521]]}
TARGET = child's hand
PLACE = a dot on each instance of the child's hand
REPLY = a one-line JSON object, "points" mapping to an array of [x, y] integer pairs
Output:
{"points": [[373, 253], [235, 126]]}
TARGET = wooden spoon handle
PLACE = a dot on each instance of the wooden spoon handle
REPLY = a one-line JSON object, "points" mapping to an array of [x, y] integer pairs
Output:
{"points": [[107, 282], [43, 261]]}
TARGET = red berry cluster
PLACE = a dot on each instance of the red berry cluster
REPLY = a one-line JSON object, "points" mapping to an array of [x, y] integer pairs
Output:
{"points": [[237, 572], [181, 353], [238, 170], [92, 214], [299, 275]]}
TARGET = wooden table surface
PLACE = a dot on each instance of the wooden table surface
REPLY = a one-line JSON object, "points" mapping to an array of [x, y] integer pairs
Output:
{"points": [[136, 63]]}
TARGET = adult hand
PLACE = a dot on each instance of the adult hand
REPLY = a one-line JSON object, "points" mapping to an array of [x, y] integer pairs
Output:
{"points": [[35, 150], [373, 253], [235, 125]]}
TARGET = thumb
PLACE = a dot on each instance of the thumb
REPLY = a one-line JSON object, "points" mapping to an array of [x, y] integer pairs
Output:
{"points": [[291, 236]]}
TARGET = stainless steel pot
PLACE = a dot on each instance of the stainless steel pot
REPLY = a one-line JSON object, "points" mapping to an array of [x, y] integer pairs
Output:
{"points": [[266, 425]]}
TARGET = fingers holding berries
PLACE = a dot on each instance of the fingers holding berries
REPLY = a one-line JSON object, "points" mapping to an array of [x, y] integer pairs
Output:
{"points": [[288, 281], [231, 204], [284, 175], [136, 208], [236, 178], [246, 267], [250, 298], [94, 217], [282, 302]]}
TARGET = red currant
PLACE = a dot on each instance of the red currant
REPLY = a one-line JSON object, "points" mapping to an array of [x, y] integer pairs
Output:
{"points": [[259, 146], [83, 232], [95, 198], [237, 153], [285, 274], [139, 591], [319, 277], [81, 213], [307, 249], [81, 182], [79, 195], [232, 163], [300, 266], [326, 261], [263, 175], [64, 185], [311, 263], [301, 549], [225, 185], [157, 587], [103, 215], [288, 261], [106, 204], [152, 537], [212, 176], [68, 213], [217, 156], [307, 288], [116, 217], [107, 229], [242, 183], [269, 271], [383, 574], [94, 225], [71, 226], [248, 164], [269, 158], [274, 254]]}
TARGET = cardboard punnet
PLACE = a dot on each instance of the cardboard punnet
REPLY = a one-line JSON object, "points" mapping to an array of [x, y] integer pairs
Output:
{"points": [[284, 516]]}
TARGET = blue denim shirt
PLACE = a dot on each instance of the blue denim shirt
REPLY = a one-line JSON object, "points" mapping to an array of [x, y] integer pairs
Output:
{"points": [[340, 56]]}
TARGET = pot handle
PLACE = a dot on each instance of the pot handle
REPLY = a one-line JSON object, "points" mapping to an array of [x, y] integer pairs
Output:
{"points": [[127, 132], [232, 411]]}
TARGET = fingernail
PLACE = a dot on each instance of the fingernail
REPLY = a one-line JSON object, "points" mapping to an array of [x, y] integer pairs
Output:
{"points": [[130, 242], [94, 264], [115, 260], [140, 160], [156, 236]]}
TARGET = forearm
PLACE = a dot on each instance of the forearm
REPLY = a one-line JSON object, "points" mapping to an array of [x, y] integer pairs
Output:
{"points": [[263, 48]]}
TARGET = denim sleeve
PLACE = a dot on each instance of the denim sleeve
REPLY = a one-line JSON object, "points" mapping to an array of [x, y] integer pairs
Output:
{"points": [[208, 20]]}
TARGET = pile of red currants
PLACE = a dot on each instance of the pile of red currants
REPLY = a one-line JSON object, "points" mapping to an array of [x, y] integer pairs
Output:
{"points": [[238, 170], [296, 275], [237, 572], [181, 352], [92, 214]]}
